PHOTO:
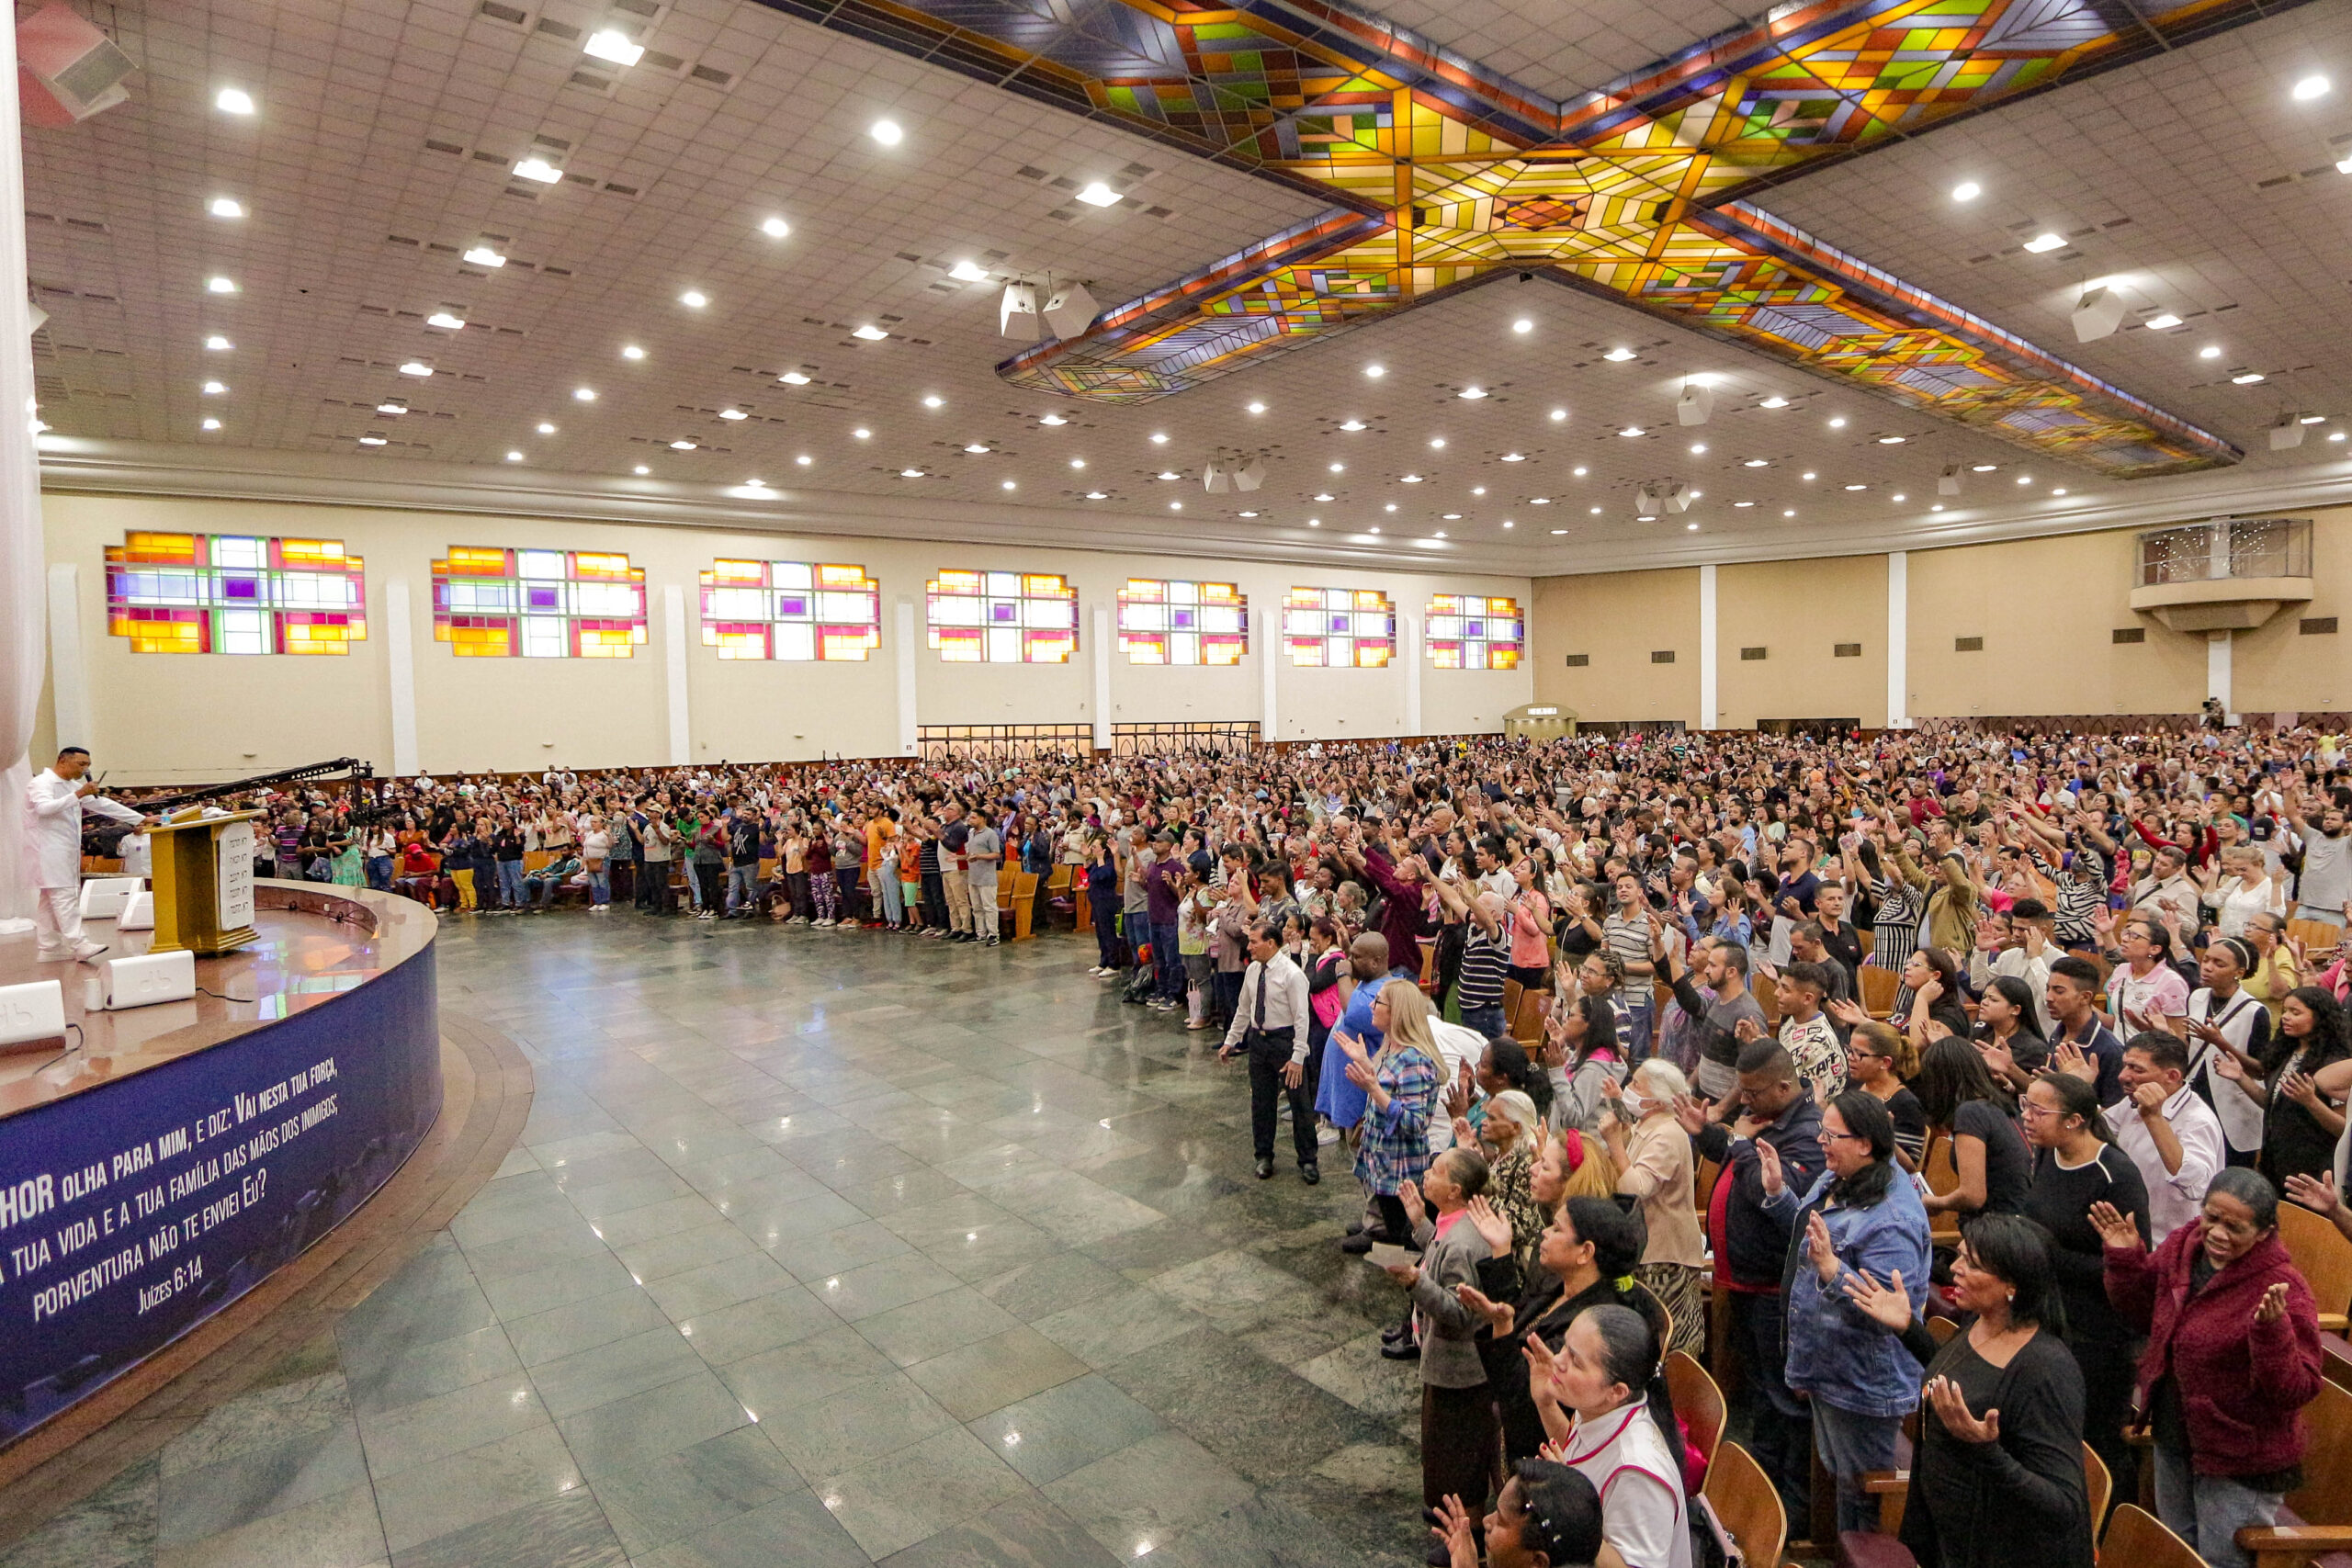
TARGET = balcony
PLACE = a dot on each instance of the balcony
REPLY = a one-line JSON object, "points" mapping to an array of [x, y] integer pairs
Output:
{"points": [[2231, 574]]}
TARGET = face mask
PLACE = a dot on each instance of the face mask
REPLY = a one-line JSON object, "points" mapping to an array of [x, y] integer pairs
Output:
{"points": [[1635, 1105]]}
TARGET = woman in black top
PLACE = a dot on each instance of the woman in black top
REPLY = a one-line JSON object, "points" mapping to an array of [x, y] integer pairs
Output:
{"points": [[2006, 1017], [2075, 1165], [1934, 982], [1876, 1055], [1987, 1150], [1997, 1478], [2300, 1123]]}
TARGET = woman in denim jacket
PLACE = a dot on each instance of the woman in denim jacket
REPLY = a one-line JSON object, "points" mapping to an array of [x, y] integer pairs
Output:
{"points": [[1864, 1215]]}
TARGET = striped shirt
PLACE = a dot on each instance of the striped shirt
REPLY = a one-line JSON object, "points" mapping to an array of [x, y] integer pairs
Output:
{"points": [[1484, 960]]}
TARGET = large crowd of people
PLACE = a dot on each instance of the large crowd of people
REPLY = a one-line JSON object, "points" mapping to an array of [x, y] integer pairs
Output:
{"points": [[1847, 1035]]}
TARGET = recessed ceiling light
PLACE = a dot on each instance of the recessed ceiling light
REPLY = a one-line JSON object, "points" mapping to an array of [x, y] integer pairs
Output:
{"points": [[1837, 423], [416, 367], [1858, 486], [2025, 479], [1967, 190], [1008, 485], [793, 379], [1256, 408], [1478, 490], [2060, 491], [1315, 522], [870, 333], [1159, 439], [1374, 529], [233, 100], [774, 227], [217, 341], [933, 401], [1522, 325], [1757, 463], [2312, 419], [1806, 475], [1983, 468], [1472, 393], [1619, 355], [611, 43], [2045, 242], [862, 433], [514, 456], [1579, 472], [2311, 87], [211, 424], [911, 473], [1390, 507], [886, 132], [1408, 480], [1514, 457], [2245, 378], [1096, 495], [1692, 526], [969, 272], [584, 394], [681, 446], [694, 299], [1792, 511], [1507, 522], [1898, 495], [444, 319], [2336, 435], [539, 169], [2211, 351], [1774, 402], [1596, 512], [1249, 514], [1339, 468], [1698, 448], [393, 409], [545, 429], [804, 459], [1539, 500], [1441, 533], [1437, 442], [732, 414], [227, 207], [1168, 474], [1324, 495], [1630, 430], [1098, 194], [371, 441], [483, 255], [755, 484], [1454, 517], [641, 469], [1938, 506], [1053, 419], [2163, 322], [1351, 425], [1743, 503], [1891, 440], [1078, 462], [1558, 415], [1375, 371], [975, 447], [217, 284], [1556, 532]]}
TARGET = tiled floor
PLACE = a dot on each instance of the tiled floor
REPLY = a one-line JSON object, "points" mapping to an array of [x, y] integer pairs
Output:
{"points": [[822, 1248]]}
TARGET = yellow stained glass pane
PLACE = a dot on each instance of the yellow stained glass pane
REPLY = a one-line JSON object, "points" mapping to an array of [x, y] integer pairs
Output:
{"points": [[1146, 589], [954, 582], [312, 552], [849, 644], [590, 563], [158, 546], [472, 560], [1503, 659], [735, 571], [844, 577]]}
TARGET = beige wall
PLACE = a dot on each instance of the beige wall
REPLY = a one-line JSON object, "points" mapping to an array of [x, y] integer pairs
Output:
{"points": [[1797, 612], [2277, 668], [164, 717], [1619, 620]]}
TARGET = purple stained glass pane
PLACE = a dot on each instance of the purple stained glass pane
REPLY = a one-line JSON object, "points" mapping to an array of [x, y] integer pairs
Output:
{"points": [[792, 606], [1338, 626], [1183, 620], [1473, 628], [1003, 612], [540, 598], [240, 588]]}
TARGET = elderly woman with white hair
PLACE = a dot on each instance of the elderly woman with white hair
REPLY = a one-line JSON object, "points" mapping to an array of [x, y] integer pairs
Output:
{"points": [[1654, 1166], [1512, 1132]]}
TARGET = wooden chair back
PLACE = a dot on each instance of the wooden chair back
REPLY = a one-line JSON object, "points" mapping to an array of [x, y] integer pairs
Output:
{"points": [[2326, 1494], [1511, 990], [1024, 904], [2323, 1257], [2098, 1486], [1743, 1498], [1936, 1163], [1428, 968], [1700, 1403], [1879, 987], [1527, 1024], [2137, 1538], [2317, 936], [1941, 1329]]}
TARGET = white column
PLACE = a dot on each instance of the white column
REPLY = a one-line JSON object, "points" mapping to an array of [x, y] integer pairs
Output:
{"points": [[1898, 640], [20, 535], [1707, 647], [69, 667], [2219, 646], [673, 654], [905, 629], [1410, 646], [399, 664], [1263, 639], [1102, 679]]}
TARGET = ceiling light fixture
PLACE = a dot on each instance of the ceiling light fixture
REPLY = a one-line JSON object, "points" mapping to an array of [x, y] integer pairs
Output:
{"points": [[1898, 495], [227, 207], [1967, 190], [975, 447], [2311, 87], [1757, 463], [1375, 371], [1619, 355], [1076, 462], [1097, 495], [911, 473], [804, 459], [641, 469], [1806, 475], [446, 321], [1539, 500], [1983, 468], [233, 100], [539, 169], [1408, 479], [1339, 468], [1256, 408], [220, 285], [1390, 507], [630, 351], [545, 428], [969, 272], [681, 446], [611, 43], [1053, 419], [1324, 495], [371, 441], [870, 333], [732, 414], [694, 299], [2162, 323], [1522, 325], [1579, 472], [416, 367], [793, 379], [2025, 479], [1472, 393], [584, 394], [483, 255], [1837, 423], [2045, 242], [886, 132], [209, 424], [514, 456], [1891, 440], [2312, 419], [1631, 431], [862, 433], [1559, 414], [2211, 351], [933, 401], [2245, 378], [1774, 402], [394, 409], [1858, 486], [1514, 457], [218, 343], [1098, 194], [1167, 474]]}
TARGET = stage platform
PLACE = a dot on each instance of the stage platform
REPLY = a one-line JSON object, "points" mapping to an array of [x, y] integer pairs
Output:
{"points": [[159, 1163]]}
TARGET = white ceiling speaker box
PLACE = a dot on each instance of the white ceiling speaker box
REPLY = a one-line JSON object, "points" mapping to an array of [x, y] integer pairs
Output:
{"points": [[138, 913], [142, 981], [68, 70], [104, 896], [34, 1012]]}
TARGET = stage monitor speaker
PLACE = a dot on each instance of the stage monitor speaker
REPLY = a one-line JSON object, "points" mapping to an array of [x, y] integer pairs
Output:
{"points": [[32, 1012]]}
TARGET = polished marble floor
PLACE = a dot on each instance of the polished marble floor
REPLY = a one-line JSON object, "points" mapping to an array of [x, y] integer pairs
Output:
{"points": [[822, 1248]]}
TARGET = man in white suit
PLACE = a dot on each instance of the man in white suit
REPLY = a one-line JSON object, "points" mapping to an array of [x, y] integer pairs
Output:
{"points": [[55, 803]]}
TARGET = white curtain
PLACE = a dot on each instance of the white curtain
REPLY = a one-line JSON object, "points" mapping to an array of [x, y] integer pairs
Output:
{"points": [[23, 636]]}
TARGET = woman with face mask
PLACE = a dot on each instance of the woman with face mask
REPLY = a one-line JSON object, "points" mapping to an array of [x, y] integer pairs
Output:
{"points": [[1655, 1167]]}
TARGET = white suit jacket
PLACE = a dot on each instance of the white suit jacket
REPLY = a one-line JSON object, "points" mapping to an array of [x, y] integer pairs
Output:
{"points": [[53, 828]]}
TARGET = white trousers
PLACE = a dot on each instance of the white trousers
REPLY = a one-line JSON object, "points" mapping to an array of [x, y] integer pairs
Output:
{"points": [[983, 911], [57, 921]]}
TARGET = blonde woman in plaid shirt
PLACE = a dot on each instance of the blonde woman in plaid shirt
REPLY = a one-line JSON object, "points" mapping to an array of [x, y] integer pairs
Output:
{"points": [[1400, 1087]]}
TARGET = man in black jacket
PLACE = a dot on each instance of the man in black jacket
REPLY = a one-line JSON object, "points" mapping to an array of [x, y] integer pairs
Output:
{"points": [[1750, 1246]]}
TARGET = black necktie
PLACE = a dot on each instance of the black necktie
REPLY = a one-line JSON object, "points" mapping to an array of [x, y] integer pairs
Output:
{"points": [[1261, 999]]}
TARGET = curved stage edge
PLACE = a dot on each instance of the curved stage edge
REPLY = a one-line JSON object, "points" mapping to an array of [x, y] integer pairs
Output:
{"points": [[179, 1155]]}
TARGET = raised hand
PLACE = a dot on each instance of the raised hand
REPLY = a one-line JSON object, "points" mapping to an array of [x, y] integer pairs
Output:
{"points": [[1361, 1074], [1409, 1195], [1888, 1305], [1951, 1409], [1499, 1316], [1691, 1113], [2316, 1193], [2115, 1229], [1767, 1166], [1453, 1532], [2303, 1090], [2069, 1057], [1492, 1225], [1819, 1246], [2273, 1306]]}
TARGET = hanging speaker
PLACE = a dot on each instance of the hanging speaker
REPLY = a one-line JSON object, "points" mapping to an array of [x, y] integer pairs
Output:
{"points": [[1645, 502], [1019, 304], [2097, 314], [1695, 404], [67, 70], [1948, 483], [1214, 478], [1070, 311], [1250, 475]]}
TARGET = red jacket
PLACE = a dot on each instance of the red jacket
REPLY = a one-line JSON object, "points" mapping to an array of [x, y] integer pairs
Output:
{"points": [[2242, 1383]]}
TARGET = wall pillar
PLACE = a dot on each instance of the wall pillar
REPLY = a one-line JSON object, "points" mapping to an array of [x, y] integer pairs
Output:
{"points": [[400, 667], [904, 637], [69, 670], [1101, 621], [1263, 641], [673, 659], [1898, 640], [1708, 703], [2219, 647], [1408, 644]]}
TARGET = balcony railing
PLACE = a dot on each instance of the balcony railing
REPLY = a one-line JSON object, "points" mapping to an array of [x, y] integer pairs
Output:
{"points": [[2224, 549]]}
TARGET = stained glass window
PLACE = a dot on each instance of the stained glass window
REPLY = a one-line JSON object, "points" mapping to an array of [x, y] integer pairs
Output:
{"points": [[1003, 617], [234, 593], [494, 604], [1467, 632], [1183, 623], [789, 609], [1339, 627]]}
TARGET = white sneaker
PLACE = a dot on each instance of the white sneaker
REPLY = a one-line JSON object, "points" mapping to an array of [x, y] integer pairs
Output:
{"points": [[1327, 1134], [88, 951]]}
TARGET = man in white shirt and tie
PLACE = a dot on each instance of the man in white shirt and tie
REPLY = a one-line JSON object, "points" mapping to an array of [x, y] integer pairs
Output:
{"points": [[55, 803], [2170, 1133], [1271, 1019]]}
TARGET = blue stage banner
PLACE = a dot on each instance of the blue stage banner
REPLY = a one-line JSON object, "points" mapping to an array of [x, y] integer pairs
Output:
{"points": [[131, 1213]]}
